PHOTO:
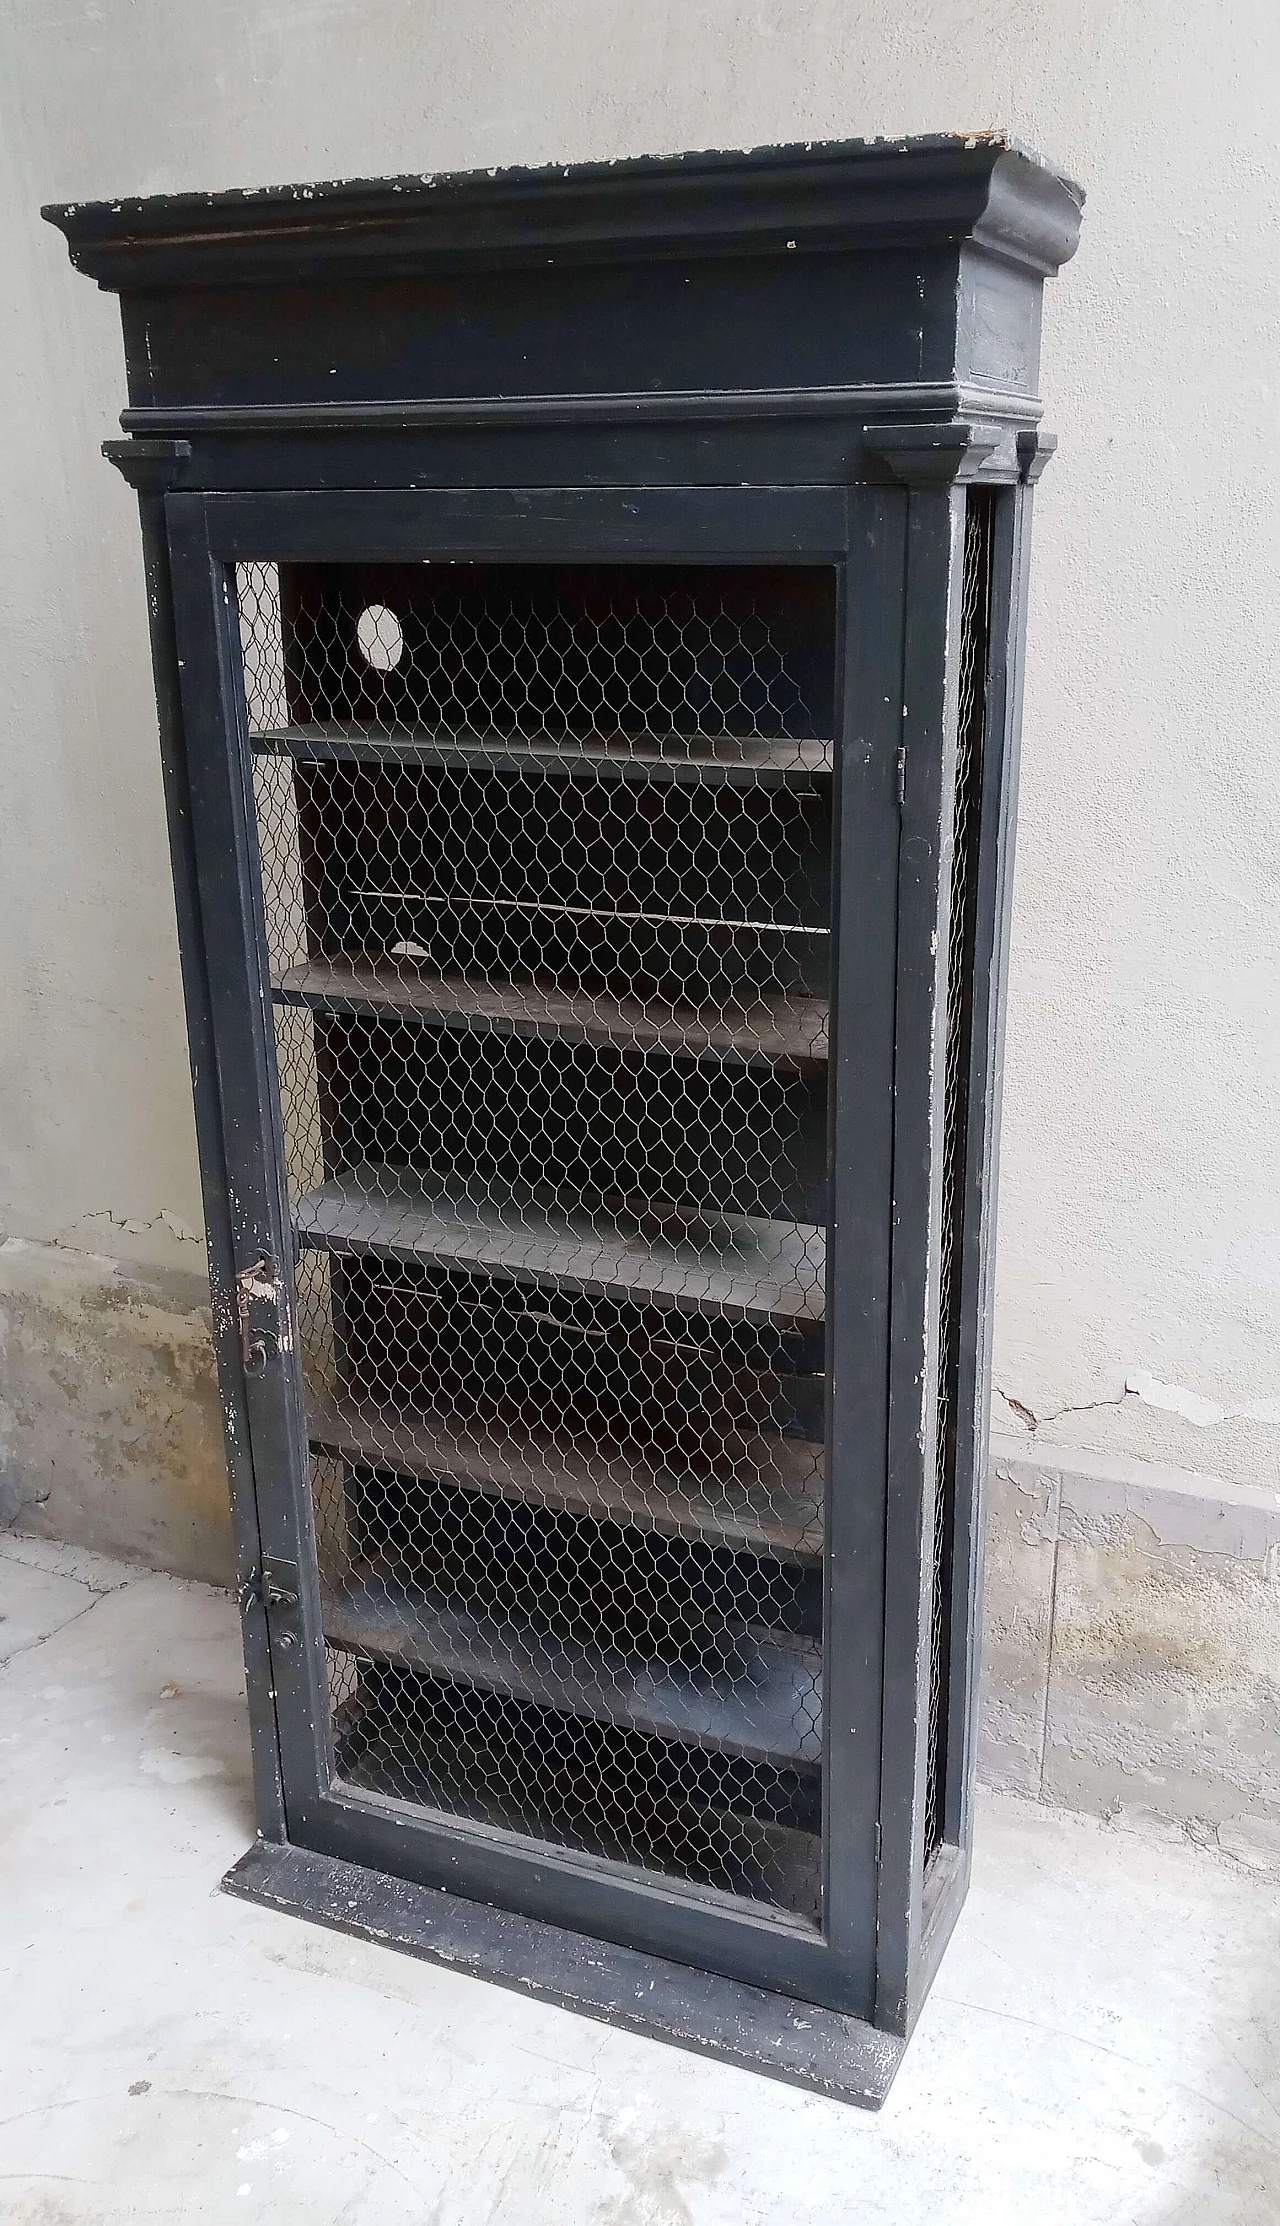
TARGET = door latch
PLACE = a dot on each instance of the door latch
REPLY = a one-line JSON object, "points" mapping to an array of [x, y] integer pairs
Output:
{"points": [[274, 1586], [258, 1288]]}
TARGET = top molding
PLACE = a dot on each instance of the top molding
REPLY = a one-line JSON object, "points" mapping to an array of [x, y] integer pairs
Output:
{"points": [[984, 189]]}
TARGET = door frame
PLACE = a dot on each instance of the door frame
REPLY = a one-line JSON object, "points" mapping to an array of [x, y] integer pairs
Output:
{"points": [[207, 535]]}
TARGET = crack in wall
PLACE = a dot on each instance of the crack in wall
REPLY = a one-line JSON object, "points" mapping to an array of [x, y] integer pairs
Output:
{"points": [[1166, 1398], [1089, 1406], [130, 1225]]}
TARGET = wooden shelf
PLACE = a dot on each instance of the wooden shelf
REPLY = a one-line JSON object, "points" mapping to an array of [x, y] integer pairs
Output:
{"points": [[777, 1864], [745, 1269], [603, 756], [770, 1500], [768, 1709], [785, 1031]]}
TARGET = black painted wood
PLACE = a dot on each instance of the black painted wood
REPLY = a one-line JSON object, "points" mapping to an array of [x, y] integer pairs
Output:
{"points": [[785, 282], [741, 764], [1010, 575], [775, 1030], [772, 1720], [983, 188], [546, 525], [929, 695], [730, 1508], [220, 1234], [831, 2054], [231, 907], [862, 1329], [708, 443], [796, 357], [740, 1268]]}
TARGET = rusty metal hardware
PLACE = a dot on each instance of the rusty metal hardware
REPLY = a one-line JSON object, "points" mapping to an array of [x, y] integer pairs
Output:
{"points": [[258, 1285], [274, 1586]]}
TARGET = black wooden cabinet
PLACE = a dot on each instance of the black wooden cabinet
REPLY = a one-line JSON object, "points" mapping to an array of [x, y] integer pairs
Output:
{"points": [[586, 609]]}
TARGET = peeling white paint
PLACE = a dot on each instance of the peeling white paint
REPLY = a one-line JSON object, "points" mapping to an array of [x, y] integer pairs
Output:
{"points": [[1206, 1414], [1176, 1399]]}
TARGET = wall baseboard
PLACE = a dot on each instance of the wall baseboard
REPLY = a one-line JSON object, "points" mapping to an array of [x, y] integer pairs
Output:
{"points": [[1131, 1655], [110, 1427]]}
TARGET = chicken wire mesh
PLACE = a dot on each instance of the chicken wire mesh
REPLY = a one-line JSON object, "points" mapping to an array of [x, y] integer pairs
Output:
{"points": [[545, 861], [975, 604]]}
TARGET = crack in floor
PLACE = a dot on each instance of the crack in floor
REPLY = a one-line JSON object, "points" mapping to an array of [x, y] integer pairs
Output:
{"points": [[11, 1539], [31, 1645]]}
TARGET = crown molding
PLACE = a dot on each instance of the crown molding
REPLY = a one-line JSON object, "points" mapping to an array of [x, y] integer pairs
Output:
{"points": [[863, 404], [149, 466], [819, 198], [936, 455]]}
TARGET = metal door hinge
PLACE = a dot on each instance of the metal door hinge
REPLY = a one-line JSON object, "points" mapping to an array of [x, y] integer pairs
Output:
{"points": [[274, 1586], [259, 1293]]}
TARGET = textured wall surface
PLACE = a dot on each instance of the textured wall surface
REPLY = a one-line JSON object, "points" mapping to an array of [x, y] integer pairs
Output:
{"points": [[1131, 1651], [110, 1424], [1139, 1270]]}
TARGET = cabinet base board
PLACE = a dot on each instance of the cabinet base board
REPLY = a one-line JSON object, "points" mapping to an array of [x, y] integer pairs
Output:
{"points": [[794, 2041]]}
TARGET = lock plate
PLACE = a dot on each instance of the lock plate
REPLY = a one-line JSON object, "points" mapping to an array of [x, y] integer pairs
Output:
{"points": [[260, 1313]]}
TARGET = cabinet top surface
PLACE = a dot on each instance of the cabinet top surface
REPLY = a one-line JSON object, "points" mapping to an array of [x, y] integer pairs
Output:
{"points": [[807, 198]]}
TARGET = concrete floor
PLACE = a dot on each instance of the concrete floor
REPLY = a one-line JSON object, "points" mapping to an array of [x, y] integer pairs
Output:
{"points": [[1103, 2043]]}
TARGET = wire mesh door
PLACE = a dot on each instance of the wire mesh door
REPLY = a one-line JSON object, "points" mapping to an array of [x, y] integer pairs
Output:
{"points": [[545, 860]]}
